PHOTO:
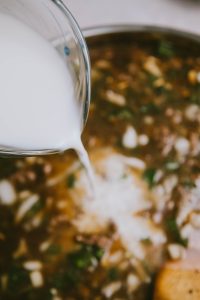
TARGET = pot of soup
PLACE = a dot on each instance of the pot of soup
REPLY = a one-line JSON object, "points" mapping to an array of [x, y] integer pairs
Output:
{"points": [[138, 235]]}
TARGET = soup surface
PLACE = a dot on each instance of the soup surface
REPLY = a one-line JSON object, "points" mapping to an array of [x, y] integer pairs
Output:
{"points": [[143, 139]]}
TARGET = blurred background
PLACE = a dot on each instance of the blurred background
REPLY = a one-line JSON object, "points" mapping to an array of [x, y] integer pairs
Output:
{"points": [[180, 14]]}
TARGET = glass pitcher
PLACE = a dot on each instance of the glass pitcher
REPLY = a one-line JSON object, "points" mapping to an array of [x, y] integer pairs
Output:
{"points": [[54, 22]]}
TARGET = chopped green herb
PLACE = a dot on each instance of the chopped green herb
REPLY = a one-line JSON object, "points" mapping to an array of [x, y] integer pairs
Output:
{"points": [[99, 252], [172, 74], [161, 90], [195, 97], [75, 264], [149, 176], [54, 249], [146, 242], [174, 232], [65, 278], [113, 274], [125, 114], [122, 114], [151, 79], [83, 258], [35, 209], [149, 108], [165, 49], [71, 179], [189, 184], [18, 279]]}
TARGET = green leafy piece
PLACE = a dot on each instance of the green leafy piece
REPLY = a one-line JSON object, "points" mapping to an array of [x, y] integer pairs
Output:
{"points": [[189, 184], [146, 242], [99, 252], [125, 114], [165, 49], [83, 258], [18, 279], [38, 206], [150, 108], [75, 265], [71, 179], [152, 78], [65, 278], [113, 274], [172, 74], [195, 97], [149, 176], [174, 232], [54, 249], [161, 90]]}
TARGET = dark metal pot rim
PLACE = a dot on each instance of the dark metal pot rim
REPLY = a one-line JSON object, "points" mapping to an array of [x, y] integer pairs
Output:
{"points": [[122, 28]]}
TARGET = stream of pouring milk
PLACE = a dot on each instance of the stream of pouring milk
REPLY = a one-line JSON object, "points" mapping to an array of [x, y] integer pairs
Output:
{"points": [[39, 109]]}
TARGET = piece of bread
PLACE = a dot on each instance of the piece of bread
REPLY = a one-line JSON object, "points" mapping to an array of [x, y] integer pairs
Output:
{"points": [[180, 280]]}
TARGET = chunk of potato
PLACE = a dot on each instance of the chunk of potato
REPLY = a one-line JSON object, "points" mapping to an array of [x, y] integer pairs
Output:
{"points": [[180, 280]]}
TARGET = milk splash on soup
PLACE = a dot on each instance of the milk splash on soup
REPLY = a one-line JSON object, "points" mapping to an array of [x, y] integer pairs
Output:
{"points": [[39, 109]]}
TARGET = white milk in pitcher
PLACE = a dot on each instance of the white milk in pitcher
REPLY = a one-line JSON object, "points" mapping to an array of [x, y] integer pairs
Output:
{"points": [[38, 105]]}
